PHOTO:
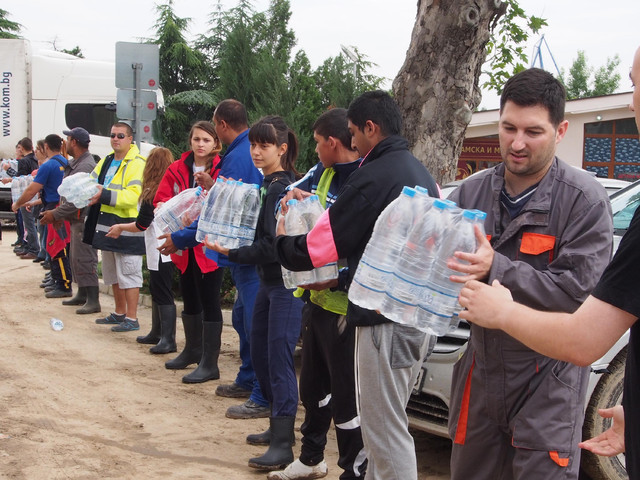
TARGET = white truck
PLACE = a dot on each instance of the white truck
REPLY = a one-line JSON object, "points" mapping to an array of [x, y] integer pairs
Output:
{"points": [[48, 92]]}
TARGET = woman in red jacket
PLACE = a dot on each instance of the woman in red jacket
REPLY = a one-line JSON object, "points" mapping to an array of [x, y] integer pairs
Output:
{"points": [[200, 277]]}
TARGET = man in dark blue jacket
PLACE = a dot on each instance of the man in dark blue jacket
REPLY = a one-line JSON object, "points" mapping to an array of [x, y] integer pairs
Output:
{"points": [[384, 375]]}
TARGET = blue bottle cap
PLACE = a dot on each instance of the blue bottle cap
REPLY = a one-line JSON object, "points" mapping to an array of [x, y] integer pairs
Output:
{"points": [[408, 191]]}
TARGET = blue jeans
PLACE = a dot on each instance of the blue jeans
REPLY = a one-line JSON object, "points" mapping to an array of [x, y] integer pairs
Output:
{"points": [[274, 334], [42, 234], [29, 225], [247, 282]]}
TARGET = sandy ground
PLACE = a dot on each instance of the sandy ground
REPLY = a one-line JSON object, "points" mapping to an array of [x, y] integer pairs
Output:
{"points": [[86, 403]]}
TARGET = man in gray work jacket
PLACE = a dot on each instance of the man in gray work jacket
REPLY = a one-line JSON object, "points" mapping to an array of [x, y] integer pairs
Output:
{"points": [[516, 414]]}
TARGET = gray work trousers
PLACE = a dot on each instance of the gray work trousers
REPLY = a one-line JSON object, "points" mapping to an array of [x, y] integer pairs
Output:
{"points": [[388, 359], [83, 258]]}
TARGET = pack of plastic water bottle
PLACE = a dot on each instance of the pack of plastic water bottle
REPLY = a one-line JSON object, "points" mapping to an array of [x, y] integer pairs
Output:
{"points": [[19, 185], [230, 214], [301, 217], [179, 211], [12, 162], [403, 272], [78, 189]]}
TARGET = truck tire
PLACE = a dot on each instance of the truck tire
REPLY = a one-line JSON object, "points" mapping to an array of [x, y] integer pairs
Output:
{"points": [[608, 393]]}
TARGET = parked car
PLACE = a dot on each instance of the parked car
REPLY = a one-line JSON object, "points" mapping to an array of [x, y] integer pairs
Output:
{"points": [[428, 407], [5, 202]]}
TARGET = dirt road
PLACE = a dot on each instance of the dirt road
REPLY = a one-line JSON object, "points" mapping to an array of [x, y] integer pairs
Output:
{"points": [[86, 403]]}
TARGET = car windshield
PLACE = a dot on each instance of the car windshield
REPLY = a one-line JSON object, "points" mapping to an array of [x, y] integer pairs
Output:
{"points": [[623, 205]]}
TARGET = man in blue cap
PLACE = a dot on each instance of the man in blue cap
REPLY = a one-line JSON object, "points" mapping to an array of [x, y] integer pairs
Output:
{"points": [[83, 257]]}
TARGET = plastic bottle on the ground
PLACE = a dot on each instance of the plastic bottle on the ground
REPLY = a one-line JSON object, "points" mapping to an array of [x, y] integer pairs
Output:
{"points": [[56, 324], [381, 253]]}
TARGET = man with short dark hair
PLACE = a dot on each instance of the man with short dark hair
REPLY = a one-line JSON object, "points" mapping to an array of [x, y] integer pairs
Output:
{"points": [[515, 413], [584, 336], [385, 375], [232, 127], [119, 177], [47, 180], [84, 258]]}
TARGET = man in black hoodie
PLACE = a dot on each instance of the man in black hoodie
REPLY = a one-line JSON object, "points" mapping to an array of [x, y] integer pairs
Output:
{"points": [[389, 355]]}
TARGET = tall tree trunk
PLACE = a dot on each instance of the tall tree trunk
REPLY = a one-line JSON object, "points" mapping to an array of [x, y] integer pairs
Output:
{"points": [[437, 88]]}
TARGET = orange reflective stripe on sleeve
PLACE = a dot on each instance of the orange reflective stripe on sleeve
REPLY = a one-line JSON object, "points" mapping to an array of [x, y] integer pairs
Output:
{"points": [[461, 428], [563, 462]]}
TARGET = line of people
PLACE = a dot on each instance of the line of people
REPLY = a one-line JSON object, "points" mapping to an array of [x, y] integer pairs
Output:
{"points": [[57, 222], [546, 238]]}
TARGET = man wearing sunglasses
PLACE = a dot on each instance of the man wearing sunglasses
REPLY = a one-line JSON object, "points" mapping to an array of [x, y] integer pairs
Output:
{"points": [[119, 176]]}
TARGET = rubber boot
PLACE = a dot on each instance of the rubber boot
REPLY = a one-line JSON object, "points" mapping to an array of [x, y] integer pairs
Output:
{"points": [[167, 343], [280, 453], [208, 367], [193, 343], [153, 336], [78, 299], [264, 438], [92, 304]]}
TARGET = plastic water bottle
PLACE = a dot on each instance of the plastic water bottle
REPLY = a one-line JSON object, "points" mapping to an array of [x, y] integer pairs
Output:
{"points": [[19, 185], [78, 189], [208, 222], [56, 324], [409, 280], [226, 210], [438, 304], [193, 212], [175, 212], [296, 224], [249, 217], [313, 211], [378, 261], [455, 319], [15, 189]]}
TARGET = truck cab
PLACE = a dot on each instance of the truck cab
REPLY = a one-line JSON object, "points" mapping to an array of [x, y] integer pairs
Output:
{"points": [[48, 92]]}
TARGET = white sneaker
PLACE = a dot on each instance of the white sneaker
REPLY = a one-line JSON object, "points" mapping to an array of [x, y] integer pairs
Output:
{"points": [[299, 471]]}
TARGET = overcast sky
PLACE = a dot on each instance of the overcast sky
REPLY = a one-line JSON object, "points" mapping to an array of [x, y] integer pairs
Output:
{"points": [[380, 29]]}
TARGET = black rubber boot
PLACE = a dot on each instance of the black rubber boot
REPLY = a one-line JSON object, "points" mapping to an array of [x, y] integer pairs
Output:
{"points": [[208, 367], [153, 336], [92, 305], [193, 343], [280, 453], [78, 299], [167, 343], [264, 438]]}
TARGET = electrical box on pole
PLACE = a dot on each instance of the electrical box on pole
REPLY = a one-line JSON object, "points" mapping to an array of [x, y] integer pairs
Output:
{"points": [[137, 79]]}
